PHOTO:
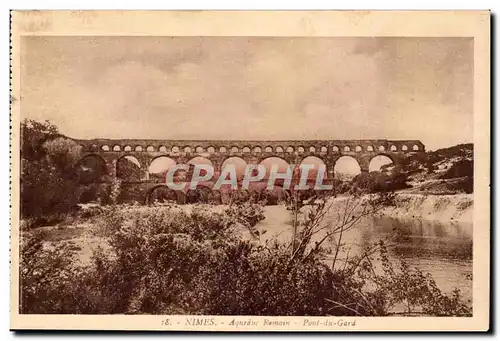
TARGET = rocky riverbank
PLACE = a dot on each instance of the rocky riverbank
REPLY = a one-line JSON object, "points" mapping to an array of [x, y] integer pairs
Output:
{"points": [[442, 208]]}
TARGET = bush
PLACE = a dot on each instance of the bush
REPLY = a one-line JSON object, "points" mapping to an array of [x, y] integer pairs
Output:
{"points": [[45, 273], [255, 281], [172, 262], [460, 169], [374, 182]]}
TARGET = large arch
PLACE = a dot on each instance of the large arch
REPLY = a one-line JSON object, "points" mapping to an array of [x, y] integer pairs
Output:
{"points": [[159, 166], [274, 160], [315, 162], [346, 167], [379, 161], [128, 168], [239, 163], [200, 160], [91, 168]]}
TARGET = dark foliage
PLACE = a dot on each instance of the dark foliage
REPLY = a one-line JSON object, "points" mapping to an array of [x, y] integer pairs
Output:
{"points": [[171, 262], [49, 182]]}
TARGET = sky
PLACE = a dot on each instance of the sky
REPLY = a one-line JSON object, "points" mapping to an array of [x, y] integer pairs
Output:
{"points": [[251, 88]]}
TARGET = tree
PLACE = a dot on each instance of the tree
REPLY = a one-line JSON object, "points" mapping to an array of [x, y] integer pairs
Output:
{"points": [[49, 181], [33, 136], [128, 170]]}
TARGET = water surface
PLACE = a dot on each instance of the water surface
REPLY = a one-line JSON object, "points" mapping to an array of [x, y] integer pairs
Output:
{"points": [[442, 249]]}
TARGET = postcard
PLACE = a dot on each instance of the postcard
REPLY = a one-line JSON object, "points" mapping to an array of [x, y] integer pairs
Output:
{"points": [[250, 170]]}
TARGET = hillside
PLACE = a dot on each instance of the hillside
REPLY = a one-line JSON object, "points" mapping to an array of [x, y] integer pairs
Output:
{"points": [[444, 171]]}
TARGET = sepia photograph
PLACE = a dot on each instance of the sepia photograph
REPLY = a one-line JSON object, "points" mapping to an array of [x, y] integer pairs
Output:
{"points": [[201, 177]]}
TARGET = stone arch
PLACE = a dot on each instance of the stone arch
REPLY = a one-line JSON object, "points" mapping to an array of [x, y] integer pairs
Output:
{"points": [[161, 193], [312, 149], [163, 149], [234, 149], [223, 150], [279, 149], [268, 162], [347, 149], [404, 148], [116, 148], [239, 164], [378, 161], [211, 150], [91, 168], [315, 162], [393, 148], [105, 148], [268, 149], [138, 148], [358, 149], [381, 149], [301, 149], [336, 148], [323, 150], [415, 147], [246, 149], [175, 149], [127, 149], [199, 149], [197, 160], [128, 168], [150, 149], [346, 167], [257, 149], [369, 148], [290, 150], [159, 166], [187, 149]]}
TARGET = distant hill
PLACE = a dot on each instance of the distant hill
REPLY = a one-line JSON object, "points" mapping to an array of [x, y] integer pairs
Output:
{"points": [[443, 171], [461, 150]]}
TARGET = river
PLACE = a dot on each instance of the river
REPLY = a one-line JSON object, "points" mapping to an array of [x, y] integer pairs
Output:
{"points": [[443, 250]]}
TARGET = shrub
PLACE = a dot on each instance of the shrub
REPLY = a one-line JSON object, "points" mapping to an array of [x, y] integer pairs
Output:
{"points": [[256, 281], [167, 261], [459, 169], [374, 182], [45, 273]]}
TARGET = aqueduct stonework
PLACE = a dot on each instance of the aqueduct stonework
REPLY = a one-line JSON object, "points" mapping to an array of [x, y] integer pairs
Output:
{"points": [[110, 151]]}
